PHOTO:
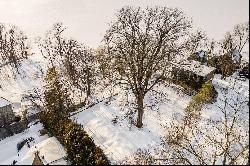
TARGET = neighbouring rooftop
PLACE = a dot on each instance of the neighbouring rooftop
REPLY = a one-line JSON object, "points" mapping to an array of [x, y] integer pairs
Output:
{"points": [[195, 67], [50, 152], [4, 102]]}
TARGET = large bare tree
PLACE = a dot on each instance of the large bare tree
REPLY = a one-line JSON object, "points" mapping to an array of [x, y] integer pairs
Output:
{"points": [[140, 44], [79, 65]]}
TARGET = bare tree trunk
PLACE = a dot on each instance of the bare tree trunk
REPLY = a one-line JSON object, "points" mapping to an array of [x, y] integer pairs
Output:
{"points": [[88, 83], [140, 110]]}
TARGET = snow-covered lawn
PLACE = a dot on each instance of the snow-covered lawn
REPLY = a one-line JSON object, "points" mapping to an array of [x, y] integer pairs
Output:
{"points": [[236, 92], [117, 140], [14, 86], [233, 84], [121, 139], [8, 146]]}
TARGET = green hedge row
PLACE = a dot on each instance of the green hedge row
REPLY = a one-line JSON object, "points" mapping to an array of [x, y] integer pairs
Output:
{"points": [[80, 148], [206, 94]]}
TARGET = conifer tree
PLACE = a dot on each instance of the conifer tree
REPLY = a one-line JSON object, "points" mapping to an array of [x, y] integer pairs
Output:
{"points": [[56, 104], [56, 97]]}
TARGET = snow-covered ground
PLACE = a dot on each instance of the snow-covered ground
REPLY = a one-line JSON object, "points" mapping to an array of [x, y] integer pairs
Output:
{"points": [[119, 140], [14, 86], [236, 92], [50, 148], [8, 146]]}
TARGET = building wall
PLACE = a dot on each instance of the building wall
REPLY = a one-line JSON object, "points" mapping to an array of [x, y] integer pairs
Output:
{"points": [[210, 76], [185, 75], [7, 115], [14, 128], [189, 80]]}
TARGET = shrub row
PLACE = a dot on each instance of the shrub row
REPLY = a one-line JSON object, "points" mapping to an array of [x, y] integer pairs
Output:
{"points": [[206, 94], [80, 148]]}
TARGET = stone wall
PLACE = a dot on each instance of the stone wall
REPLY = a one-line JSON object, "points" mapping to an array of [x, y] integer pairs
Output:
{"points": [[16, 127], [4, 133], [7, 115], [32, 117]]}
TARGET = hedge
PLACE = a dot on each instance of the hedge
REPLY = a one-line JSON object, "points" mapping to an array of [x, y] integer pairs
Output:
{"points": [[206, 94], [80, 148]]}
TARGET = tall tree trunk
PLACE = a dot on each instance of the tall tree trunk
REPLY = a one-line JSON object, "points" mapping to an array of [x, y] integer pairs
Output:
{"points": [[88, 83], [140, 110]]}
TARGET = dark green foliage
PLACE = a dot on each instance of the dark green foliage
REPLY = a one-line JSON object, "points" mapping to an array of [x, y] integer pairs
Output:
{"points": [[56, 97], [205, 94], [80, 148]]}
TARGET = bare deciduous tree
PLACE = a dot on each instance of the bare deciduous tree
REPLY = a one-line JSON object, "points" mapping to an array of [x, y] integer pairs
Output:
{"points": [[241, 35], [140, 44], [197, 41], [51, 45], [212, 141], [13, 45], [219, 140], [79, 63], [75, 61], [235, 40]]}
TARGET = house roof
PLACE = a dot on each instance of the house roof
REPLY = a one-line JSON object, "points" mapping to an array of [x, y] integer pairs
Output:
{"points": [[4, 102], [50, 152], [236, 56], [195, 67]]}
